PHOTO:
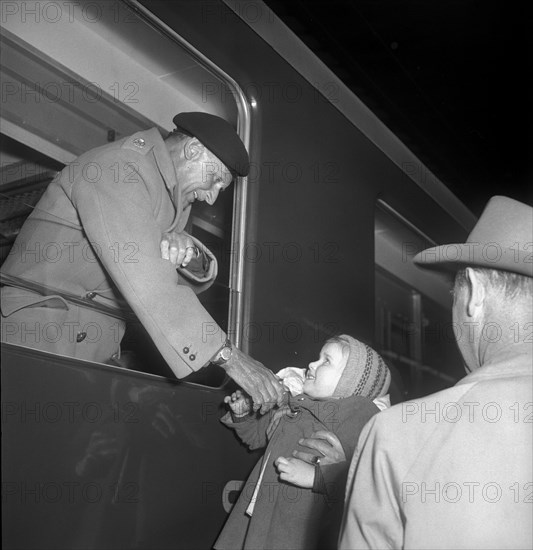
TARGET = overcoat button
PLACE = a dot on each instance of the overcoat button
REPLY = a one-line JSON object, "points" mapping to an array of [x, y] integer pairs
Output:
{"points": [[90, 295], [185, 349], [80, 337], [192, 357], [139, 142]]}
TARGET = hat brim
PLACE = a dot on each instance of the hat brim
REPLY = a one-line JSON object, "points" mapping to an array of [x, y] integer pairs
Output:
{"points": [[452, 257]]}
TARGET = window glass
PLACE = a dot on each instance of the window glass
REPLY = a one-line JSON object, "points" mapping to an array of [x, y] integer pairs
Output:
{"points": [[413, 312], [24, 176]]}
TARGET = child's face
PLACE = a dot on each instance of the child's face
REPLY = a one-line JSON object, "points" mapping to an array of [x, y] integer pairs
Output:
{"points": [[324, 374]]}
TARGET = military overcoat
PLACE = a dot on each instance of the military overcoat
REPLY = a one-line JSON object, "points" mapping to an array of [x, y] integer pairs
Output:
{"points": [[96, 234]]}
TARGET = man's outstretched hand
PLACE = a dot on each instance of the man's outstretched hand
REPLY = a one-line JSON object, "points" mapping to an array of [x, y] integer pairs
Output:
{"points": [[255, 379]]}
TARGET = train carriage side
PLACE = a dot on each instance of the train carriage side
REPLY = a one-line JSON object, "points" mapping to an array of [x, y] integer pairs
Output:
{"points": [[105, 457], [337, 206]]}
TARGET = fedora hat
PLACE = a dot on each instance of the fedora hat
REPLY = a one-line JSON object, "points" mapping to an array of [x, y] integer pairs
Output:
{"points": [[501, 239]]}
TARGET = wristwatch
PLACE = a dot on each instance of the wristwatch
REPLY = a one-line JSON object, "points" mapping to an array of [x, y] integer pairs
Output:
{"points": [[224, 354]]}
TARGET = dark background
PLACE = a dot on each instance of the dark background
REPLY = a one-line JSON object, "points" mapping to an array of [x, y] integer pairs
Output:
{"points": [[450, 77]]}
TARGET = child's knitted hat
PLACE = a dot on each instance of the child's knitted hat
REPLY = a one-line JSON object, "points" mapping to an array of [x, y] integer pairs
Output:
{"points": [[365, 373]]}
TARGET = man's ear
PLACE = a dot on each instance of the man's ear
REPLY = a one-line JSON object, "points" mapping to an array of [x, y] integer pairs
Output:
{"points": [[192, 149], [476, 293]]}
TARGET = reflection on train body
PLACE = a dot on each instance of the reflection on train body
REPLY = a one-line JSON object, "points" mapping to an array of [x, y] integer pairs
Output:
{"points": [[110, 459]]}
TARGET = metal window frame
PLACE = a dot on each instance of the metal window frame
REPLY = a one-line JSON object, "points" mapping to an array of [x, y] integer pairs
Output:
{"points": [[240, 198]]}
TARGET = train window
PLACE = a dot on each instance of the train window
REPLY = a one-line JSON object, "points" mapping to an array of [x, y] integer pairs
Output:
{"points": [[24, 175], [413, 331], [123, 71]]}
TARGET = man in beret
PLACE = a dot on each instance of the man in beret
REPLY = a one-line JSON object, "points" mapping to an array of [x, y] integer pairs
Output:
{"points": [[109, 231], [455, 469]]}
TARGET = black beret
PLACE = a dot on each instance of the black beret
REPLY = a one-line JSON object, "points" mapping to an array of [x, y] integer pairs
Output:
{"points": [[218, 136]]}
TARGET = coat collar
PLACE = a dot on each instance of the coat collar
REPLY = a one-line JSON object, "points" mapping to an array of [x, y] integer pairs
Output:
{"points": [[168, 173], [511, 366], [162, 157]]}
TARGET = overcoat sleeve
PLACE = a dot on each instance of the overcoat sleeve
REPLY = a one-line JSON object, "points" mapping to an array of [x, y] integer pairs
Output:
{"points": [[252, 431], [331, 478], [201, 271], [371, 514], [118, 215]]}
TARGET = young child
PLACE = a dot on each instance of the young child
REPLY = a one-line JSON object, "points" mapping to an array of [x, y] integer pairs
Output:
{"points": [[304, 511]]}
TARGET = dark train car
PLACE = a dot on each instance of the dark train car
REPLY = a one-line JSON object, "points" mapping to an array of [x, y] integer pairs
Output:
{"points": [[317, 240]]}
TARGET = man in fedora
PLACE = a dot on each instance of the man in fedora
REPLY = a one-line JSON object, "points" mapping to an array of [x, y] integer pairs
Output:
{"points": [[109, 232], [455, 469]]}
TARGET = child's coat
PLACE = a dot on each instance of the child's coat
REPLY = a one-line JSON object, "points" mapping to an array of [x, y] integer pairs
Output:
{"points": [[285, 516]]}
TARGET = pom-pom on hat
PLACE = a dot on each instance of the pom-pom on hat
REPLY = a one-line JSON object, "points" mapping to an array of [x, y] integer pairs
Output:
{"points": [[365, 373], [218, 136]]}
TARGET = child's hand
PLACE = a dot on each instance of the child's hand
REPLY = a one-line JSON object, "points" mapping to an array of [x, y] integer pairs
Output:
{"points": [[239, 404], [295, 471]]}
